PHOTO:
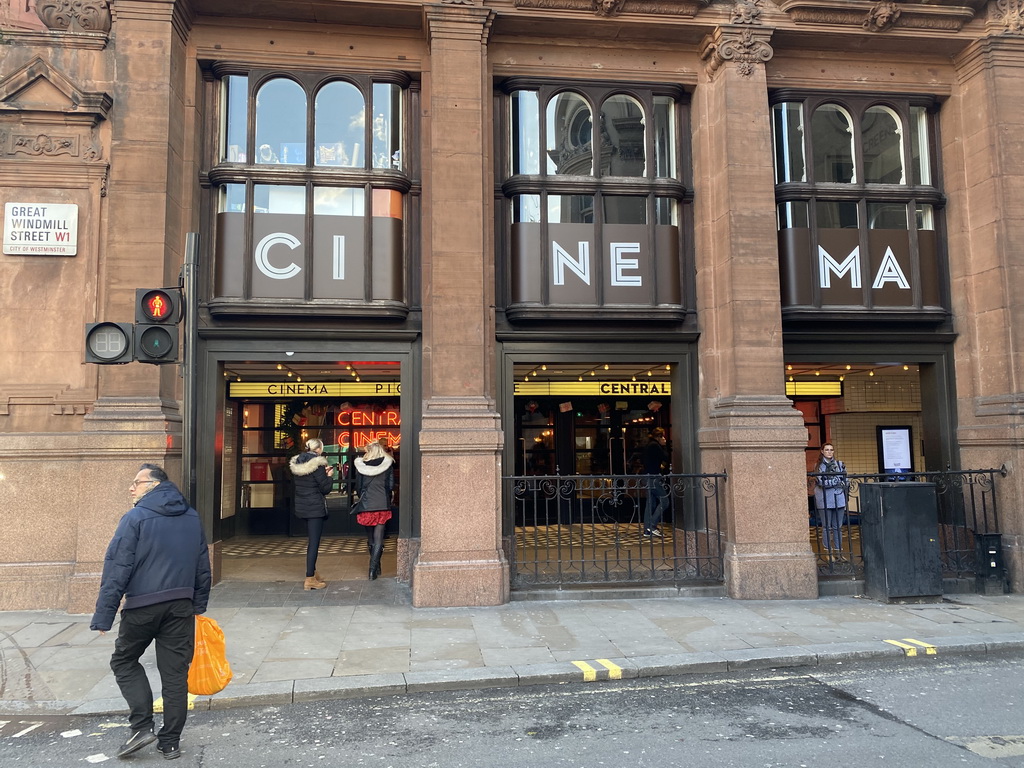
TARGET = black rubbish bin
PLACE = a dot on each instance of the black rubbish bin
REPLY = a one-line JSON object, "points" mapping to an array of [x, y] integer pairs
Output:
{"points": [[990, 572], [899, 529]]}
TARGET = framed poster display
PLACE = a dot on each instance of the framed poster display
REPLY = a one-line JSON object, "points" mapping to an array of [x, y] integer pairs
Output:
{"points": [[895, 450]]}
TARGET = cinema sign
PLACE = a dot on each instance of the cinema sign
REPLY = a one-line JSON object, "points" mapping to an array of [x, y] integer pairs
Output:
{"points": [[569, 266], [850, 269], [339, 258]]}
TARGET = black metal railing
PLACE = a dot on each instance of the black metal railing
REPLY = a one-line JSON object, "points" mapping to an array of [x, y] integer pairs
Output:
{"points": [[966, 506], [589, 529]]}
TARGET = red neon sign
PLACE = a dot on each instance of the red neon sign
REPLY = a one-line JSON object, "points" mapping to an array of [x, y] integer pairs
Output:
{"points": [[360, 437]]}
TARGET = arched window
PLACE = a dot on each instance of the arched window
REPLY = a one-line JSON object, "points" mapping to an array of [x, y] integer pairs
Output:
{"points": [[881, 135], [340, 125], [570, 129], [832, 138], [281, 123], [622, 126]]}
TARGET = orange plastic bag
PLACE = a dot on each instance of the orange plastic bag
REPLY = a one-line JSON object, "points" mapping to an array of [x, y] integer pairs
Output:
{"points": [[210, 672]]}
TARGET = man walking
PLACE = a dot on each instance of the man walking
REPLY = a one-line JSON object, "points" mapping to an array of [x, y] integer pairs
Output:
{"points": [[656, 463], [159, 563]]}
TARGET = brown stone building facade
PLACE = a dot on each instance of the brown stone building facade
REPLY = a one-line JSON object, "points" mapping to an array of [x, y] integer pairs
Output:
{"points": [[406, 214]]}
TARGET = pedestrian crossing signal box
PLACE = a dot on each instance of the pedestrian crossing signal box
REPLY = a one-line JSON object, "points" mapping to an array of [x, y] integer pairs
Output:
{"points": [[157, 312]]}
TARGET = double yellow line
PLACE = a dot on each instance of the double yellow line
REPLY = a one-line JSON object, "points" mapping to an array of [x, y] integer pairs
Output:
{"points": [[911, 650], [590, 673]]}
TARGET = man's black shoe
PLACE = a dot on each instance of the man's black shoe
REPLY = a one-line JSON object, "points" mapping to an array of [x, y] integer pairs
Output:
{"points": [[136, 741], [170, 752]]}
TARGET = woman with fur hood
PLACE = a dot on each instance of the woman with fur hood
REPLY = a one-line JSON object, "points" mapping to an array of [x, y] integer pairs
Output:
{"points": [[313, 482], [376, 485]]}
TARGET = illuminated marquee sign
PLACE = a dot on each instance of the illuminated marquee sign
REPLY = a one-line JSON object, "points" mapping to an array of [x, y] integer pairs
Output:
{"points": [[286, 389], [596, 388], [355, 434]]}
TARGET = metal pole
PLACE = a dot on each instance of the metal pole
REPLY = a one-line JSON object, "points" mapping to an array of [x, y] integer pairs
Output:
{"points": [[189, 273]]}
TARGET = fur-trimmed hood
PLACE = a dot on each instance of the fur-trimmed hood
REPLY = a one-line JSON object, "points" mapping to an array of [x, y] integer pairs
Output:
{"points": [[306, 463], [374, 467]]}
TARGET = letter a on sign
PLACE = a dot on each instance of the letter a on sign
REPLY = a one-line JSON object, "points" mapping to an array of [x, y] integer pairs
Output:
{"points": [[889, 272]]}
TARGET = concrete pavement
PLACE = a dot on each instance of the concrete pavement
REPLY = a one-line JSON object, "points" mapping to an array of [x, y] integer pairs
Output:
{"points": [[360, 638]]}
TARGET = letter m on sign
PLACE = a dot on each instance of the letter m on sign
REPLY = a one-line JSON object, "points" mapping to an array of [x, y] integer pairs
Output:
{"points": [[827, 266]]}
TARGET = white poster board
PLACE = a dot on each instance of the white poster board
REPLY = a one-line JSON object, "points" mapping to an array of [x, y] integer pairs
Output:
{"points": [[895, 452]]}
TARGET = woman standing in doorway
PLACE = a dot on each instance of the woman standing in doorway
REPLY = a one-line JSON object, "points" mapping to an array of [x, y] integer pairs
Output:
{"points": [[376, 485], [830, 497], [313, 481]]}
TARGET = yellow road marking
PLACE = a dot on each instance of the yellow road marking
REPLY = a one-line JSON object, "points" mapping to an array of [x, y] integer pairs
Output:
{"points": [[909, 650], [158, 704], [589, 673], [614, 670], [930, 650]]}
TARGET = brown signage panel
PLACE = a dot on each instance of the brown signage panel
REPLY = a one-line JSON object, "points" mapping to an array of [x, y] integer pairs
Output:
{"points": [[839, 267], [928, 254], [388, 266], [229, 280], [890, 269], [279, 256], [338, 263], [795, 267], [572, 272], [668, 266]]}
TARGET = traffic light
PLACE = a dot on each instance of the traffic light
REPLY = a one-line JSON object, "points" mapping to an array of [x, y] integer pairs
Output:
{"points": [[109, 343], [157, 312]]}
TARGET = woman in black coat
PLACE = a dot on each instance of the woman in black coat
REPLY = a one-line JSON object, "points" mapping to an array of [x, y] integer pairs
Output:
{"points": [[313, 481], [376, 485]]}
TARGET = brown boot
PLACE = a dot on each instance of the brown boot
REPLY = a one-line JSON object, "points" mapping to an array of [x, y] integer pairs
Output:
{"points": [[312, 582]]}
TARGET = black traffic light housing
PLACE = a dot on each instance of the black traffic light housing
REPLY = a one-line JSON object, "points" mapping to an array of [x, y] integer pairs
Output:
{"points": [[157, 312], [109, 343]]}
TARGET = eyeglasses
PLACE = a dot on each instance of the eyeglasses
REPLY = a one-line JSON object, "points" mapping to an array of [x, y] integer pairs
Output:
{"points": [[140, 482]]}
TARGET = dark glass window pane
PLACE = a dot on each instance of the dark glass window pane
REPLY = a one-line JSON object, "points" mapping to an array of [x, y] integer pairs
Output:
{"points": [[571, 209], [526, 209], [881, 135], [836, 215], [570, 128], [622, 123], [887, 216], [832, 139], [793, 215], [619, 209], [664, 137]]}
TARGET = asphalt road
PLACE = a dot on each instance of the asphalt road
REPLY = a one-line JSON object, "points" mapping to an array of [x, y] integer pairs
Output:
{"points": [[920, 712]]}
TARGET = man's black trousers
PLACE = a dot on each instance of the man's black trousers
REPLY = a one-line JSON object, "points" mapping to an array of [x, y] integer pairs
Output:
{"points": [[172, 626]]}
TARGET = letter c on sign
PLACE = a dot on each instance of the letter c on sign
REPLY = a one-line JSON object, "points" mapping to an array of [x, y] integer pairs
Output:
{"points": [[263, 250]]}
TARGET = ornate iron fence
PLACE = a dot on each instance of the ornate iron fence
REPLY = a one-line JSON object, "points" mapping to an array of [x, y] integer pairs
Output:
{"points": [[967, 506], [589, 529]]}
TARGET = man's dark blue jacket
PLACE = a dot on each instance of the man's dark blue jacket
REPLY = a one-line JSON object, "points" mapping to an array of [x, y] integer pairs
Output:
{"points": [[158, 554]]}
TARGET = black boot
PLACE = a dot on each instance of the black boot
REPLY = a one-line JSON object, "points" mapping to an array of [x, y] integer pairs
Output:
{"points": [[375, 561]]}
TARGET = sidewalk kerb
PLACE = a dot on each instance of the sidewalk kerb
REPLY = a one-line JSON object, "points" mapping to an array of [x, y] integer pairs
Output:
{"points": [[349, 687], [769, 658], [461, 679], [680, 664], [254, 694]]}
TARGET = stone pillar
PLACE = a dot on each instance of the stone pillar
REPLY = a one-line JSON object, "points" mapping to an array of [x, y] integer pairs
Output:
{"points": [[983, 153], [460, 560], [747, 425], [136, 417]]}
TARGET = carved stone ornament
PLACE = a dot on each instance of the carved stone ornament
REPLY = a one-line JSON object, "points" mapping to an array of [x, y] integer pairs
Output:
{"points": [[742, 46], [42, 144], [458, 2], [608, 7], [1011, 12], [75, 15], [747, 12], [684, 8], [882, 17]]}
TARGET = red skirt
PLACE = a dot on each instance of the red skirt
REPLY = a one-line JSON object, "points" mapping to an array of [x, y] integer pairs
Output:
{"points": [[374, 518]]}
